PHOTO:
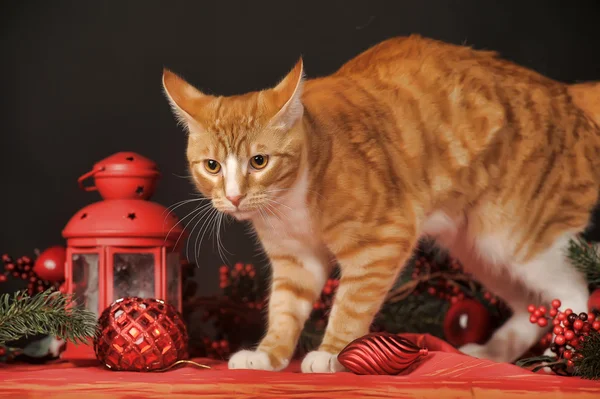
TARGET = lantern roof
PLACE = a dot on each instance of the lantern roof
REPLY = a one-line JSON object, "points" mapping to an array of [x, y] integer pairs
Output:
{"points": [[125, 216]]}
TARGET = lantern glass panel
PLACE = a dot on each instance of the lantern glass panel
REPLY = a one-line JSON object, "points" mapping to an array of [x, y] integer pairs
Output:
{"points": [[85, 280], [173, 278], [133, 275]]}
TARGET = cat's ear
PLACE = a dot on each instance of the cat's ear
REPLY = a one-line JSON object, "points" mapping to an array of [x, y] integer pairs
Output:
{"points": [[185, 100], [288, 98]]}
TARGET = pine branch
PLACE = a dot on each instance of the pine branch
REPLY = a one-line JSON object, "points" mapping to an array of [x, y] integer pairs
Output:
{"points": [[587, 364], [586, 258], [48, 313]]}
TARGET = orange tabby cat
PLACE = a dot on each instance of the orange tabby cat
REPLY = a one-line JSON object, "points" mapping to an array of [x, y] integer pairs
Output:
{"points": [[413, 137]]}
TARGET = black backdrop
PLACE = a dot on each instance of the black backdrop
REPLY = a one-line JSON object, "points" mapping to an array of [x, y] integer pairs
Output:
{"points": [[80, 80]]}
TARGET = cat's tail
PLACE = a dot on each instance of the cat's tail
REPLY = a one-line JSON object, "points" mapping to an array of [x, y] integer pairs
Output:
{"points": [[587, 97]]}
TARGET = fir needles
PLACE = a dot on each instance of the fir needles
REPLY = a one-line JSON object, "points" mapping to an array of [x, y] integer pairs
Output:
{"points": [[49, 313]]}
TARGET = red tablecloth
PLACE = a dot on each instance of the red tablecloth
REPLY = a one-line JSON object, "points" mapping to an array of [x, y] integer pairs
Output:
{"points": [[442, 375]]}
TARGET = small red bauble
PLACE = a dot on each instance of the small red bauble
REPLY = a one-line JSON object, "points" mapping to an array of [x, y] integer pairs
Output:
{"points": [[467, 321], [380, 354], [556, 304], [543, 322], [50, 265], [560, 340], [569, 335], [140, 335], [594, 301]]}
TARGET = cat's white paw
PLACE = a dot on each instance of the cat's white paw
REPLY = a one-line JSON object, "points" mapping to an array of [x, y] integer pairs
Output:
{"points": [[253, 360], [321, 362]]}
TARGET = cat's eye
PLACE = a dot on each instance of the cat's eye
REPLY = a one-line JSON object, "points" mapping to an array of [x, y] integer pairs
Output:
{"points": [[212, 166], [259, 161]]}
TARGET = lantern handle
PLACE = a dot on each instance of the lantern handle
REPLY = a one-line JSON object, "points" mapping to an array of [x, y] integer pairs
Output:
{"points": [[84, 177]]}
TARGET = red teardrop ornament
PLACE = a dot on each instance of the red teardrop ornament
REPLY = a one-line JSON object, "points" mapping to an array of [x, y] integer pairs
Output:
{"points": [[380, 354]]}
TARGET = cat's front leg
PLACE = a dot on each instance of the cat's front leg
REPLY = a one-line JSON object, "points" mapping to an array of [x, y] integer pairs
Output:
{"points": [[297, 282], [369, 268]]}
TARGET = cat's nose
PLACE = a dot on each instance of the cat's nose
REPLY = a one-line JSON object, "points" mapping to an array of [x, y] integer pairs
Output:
{"points": [[235, 199]]}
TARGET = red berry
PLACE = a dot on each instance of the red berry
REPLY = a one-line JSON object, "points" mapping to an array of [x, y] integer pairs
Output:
{"points": [[224, 344], [553, 312], [317, 306], [488, 296], [566, 323], [587, 327], [556, 304], [574, 343], [549, 336], [249, 267], [542, 309], [569, 335], [2, 278], [223, 269], [327, 290], [531, 308], [596, 325], [568, 311], [570, 363], [215, 345], [556, 322], [578, 324], [9, 267], [239, 267], [559, 340], [567, 354], [537, 313], [558, 330], [533, 319], [252, 274], [591, 317], [431, 291], [561, 316], [543, 322], [493, 301], [454, 300]]}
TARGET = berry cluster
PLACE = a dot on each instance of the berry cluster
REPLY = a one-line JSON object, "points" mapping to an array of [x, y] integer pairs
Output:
{"points": [[443, 288], [218, 349], [570, 329], [323, 304], [240, 284], [22, 268]]}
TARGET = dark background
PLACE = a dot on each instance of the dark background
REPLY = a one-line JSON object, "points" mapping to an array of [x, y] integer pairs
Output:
{"points": [[80, 80]]}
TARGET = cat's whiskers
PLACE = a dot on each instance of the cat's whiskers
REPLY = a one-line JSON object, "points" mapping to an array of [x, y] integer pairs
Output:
{"points": [[203, 229], [196, 212]]}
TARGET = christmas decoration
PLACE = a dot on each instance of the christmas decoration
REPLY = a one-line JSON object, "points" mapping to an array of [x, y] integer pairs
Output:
{"points": [[380, 354], [50, 312], [594, 302], [431, 284], [586, 257], [574, 338], [23, 269], [124, 245], [141, 335], [467, 321], [50, 264]]}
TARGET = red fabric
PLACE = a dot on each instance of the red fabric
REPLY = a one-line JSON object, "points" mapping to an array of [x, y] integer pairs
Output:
{"points": [[445, 373]]}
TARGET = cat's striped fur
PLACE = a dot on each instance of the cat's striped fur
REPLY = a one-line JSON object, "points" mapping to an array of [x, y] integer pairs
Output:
{"points": [[413, 137]]}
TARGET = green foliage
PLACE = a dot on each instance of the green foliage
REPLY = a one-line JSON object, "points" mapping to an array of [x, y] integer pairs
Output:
{"points": [[587, 364], [586, 258], [48, 313]]}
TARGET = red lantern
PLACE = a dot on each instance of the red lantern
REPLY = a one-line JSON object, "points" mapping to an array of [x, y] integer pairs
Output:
{"points": [[123, 246]]}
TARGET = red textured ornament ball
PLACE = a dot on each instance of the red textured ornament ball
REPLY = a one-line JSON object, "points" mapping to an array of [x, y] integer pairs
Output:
{"points": [[380, 354], [50, 265], [467, 321], [140, 335], [594, 301]]}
